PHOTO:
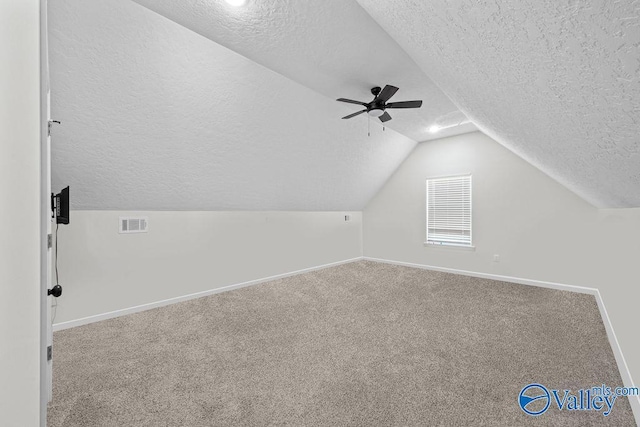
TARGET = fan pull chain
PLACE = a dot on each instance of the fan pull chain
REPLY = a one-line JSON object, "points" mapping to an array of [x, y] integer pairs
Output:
{"points": [[368, 125]]}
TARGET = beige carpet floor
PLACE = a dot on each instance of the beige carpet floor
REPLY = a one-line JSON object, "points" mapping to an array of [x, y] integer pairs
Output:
{"points": [[362, 344]]}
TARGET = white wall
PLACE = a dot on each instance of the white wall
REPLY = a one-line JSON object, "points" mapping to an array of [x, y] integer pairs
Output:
{"points": [[19, 213], [188, 252], [541, 230]]}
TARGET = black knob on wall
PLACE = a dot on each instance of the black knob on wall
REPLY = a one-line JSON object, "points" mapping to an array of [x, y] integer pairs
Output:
{"points": [[56, 291]]}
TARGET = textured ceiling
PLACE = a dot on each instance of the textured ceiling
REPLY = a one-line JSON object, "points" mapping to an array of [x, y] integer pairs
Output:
{"points": [[555, 82], [155, 116], [332, 46], [158, 117]]}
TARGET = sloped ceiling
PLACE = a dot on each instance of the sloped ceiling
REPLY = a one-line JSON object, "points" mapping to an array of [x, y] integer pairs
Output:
{"points": [[555, 82], [331, 46], [155, 116]]}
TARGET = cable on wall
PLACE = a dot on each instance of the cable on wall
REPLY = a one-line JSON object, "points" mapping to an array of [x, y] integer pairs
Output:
{"points": [[55, 300]]}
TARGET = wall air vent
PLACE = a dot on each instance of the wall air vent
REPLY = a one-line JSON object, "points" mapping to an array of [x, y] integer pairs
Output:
{"points": [[132, 224]]}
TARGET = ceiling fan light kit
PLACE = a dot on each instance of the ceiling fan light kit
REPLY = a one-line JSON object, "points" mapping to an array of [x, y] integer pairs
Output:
{"points": [[378, 106]]}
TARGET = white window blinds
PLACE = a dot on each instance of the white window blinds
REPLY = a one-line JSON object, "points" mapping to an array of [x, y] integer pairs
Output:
{"points": [[449, 211]]}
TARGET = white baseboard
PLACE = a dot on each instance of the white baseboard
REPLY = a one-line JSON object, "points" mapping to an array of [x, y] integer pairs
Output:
{"points": [[542, 284], [149, 306], [625, 374]]}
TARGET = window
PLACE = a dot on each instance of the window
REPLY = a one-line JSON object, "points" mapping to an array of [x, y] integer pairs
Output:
{"points": [[449, 211]]}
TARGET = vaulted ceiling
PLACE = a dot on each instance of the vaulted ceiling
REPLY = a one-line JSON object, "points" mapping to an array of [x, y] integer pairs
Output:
{"points": [[555, 82], [194, 104], [156, 116], [331, 46]]}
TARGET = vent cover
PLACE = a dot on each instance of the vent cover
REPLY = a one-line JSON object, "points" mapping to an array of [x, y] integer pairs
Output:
{"points": [[132, 224]]}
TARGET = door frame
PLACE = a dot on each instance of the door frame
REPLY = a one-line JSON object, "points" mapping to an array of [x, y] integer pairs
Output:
{"points": [[45, 217]]}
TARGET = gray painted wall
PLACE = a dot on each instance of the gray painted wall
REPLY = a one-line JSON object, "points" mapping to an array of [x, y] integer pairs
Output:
{"points": [[540, 229]]}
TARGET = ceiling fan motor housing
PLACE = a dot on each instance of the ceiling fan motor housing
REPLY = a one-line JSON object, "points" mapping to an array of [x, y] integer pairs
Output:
{"points": [[376, 109]]}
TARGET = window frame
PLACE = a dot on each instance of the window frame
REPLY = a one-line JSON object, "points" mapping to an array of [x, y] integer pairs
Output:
{"points": [[433, 243]]}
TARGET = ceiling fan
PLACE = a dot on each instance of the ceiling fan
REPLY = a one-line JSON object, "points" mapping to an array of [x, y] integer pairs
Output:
{"points": [[378, 107]]}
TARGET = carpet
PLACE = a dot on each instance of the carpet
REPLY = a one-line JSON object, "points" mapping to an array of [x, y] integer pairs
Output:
{"points": [[361, 344]]}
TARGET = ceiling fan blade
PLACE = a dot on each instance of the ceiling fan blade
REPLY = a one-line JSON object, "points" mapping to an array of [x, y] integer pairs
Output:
{"points": [[385, 117], [354, 114], [350, 101], [405, 104], [386, 93]]}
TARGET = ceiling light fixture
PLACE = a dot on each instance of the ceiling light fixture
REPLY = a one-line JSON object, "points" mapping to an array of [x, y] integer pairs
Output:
{"points": [[236, 3], [376, 112]]}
